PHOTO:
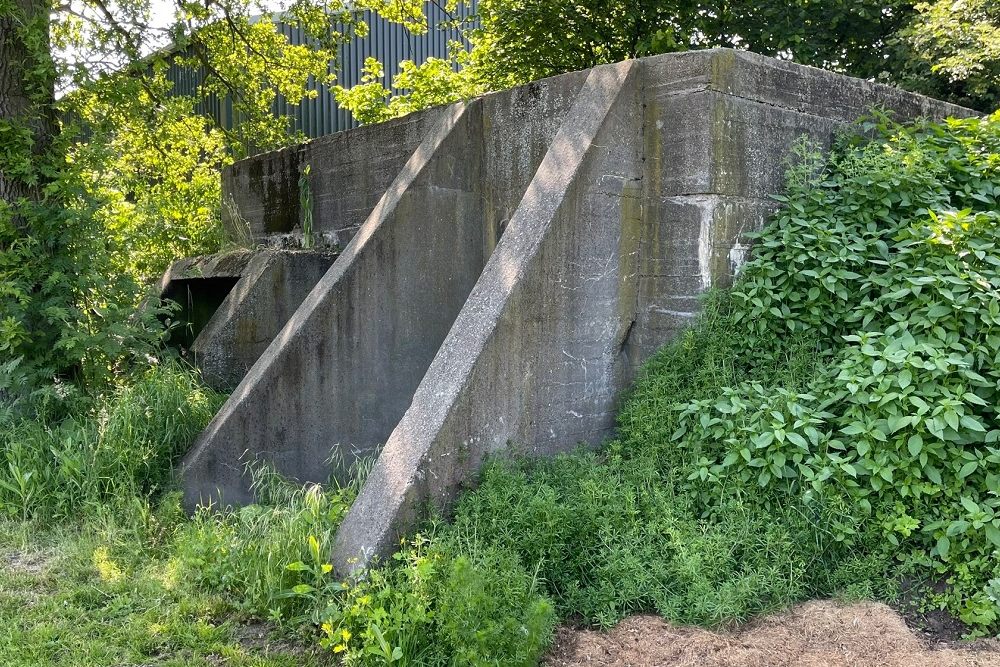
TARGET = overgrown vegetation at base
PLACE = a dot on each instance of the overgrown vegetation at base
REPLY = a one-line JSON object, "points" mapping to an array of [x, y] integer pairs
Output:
{"points": [[108, 449], [111, 593], [99, 565], [827, 428]]}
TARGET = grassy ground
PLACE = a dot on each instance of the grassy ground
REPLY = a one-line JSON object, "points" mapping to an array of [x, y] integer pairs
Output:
{"points": [[66, 601]]}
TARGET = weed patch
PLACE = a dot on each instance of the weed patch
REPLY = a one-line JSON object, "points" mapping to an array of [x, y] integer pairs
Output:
{"points": [[119, 446], [103, 600]]}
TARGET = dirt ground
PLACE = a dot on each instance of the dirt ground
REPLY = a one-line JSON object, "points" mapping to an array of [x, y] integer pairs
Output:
{"points": [[815, 634]]}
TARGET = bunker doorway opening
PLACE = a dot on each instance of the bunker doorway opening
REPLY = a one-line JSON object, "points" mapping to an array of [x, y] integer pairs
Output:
{"points": [[197, 299]]}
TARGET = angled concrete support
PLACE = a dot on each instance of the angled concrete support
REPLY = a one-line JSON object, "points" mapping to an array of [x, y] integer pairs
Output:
{"points": [[535, 355], [232, 305], [341, 373], [267, 295]]}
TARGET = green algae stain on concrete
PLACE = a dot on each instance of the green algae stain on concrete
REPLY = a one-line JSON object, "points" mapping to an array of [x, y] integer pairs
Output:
{"points": [[648, 196], [629, 256], [721, 69]]}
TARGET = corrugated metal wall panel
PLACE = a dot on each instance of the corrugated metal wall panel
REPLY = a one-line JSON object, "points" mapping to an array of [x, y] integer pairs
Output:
{"points": [[388, 42]]}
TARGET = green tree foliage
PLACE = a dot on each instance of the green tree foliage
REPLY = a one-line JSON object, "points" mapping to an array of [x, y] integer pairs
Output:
{"points": [[152, 172], [960, 43], [536, 38], [96, 205], [417, 86], [60, 311], [435, 81], [948, 49]]}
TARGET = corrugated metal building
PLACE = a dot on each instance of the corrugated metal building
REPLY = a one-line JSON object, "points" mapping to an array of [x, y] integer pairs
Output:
{"points": [[388, 42]]}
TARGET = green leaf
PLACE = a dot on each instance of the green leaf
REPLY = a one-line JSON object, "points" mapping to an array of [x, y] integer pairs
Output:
{"points": [[938, 311], [968, 469], [973, 424], [905, 378], [897, 422], [957, 527], [943, 546], [914, 445], [854, 428], [797, 440], [951, 419], [933, 475], [969, 397]]}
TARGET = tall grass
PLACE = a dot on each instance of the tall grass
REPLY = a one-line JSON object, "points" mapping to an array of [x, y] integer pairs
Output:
{"points": [[119, 447], [269, 559]]}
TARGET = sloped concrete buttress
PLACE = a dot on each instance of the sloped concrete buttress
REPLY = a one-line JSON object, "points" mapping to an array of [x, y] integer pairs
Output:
{"points": [[341, 373], [266, 297], [233, 304], [534, 354]]}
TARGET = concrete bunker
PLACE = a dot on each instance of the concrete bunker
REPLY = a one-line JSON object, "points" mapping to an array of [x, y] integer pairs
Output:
{"points": [[510, 263]]}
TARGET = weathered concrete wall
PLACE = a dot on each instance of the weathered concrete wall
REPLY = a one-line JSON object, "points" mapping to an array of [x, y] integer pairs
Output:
{"points": [[533, 355], [642, 202], [518, 126], [349, 172], [344, 368], [719, 127], [536, 248]]}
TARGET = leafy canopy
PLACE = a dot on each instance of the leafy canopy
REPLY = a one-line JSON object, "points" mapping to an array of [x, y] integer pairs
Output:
{"points": [[127, 180], [961, 42], [945, 49]]}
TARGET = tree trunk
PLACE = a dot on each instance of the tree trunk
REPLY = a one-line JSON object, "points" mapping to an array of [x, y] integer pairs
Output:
{"points": [[27, 95]]}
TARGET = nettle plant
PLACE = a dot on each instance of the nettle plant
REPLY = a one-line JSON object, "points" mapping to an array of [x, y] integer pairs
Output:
{"points": [[887, 260]]}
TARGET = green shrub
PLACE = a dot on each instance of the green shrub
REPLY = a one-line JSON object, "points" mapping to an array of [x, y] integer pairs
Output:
{"points": [[267, 559], [444, 600], [613, 537], [891, 257]]}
